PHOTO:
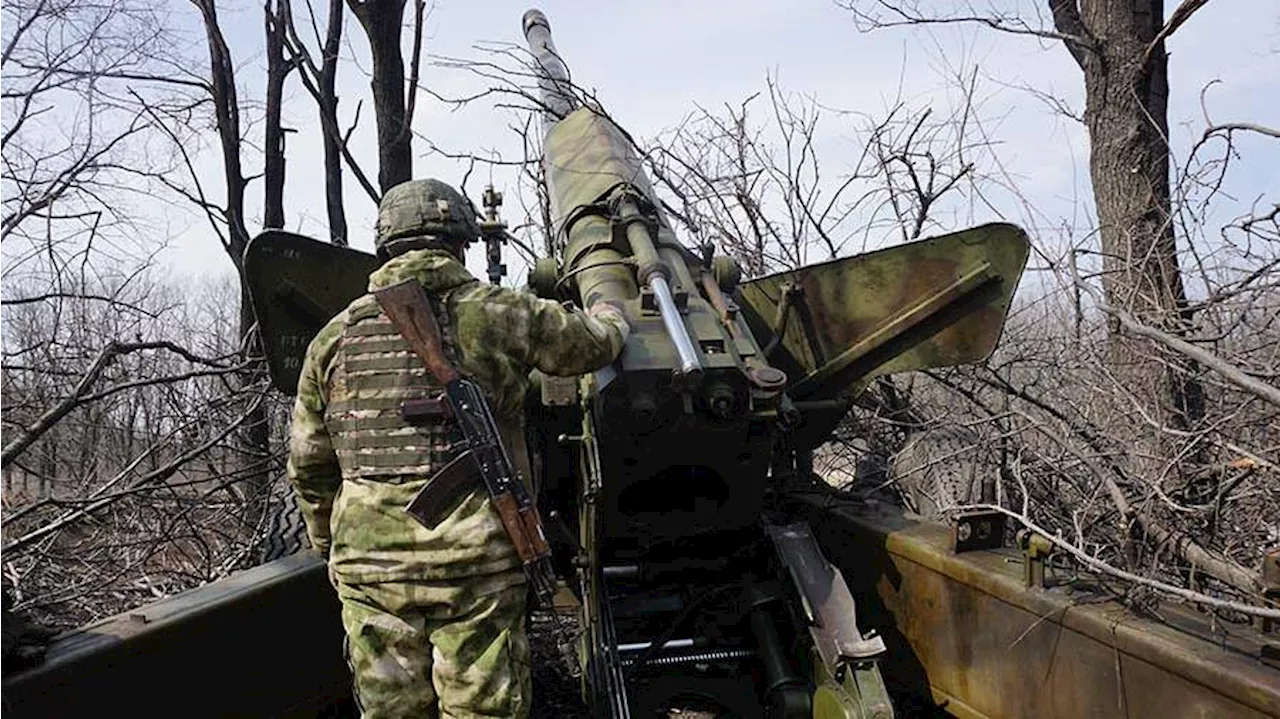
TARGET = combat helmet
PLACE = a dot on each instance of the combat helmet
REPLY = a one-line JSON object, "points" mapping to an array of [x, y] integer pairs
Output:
{"points": [[422, 213]]}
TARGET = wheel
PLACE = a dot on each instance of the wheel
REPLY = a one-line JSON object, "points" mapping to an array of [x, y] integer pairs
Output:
{"points": [[286, 531]]}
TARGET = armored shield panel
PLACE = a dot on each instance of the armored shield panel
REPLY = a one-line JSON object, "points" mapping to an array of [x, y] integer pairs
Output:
{"points": [[297, 284], [933, 303]]}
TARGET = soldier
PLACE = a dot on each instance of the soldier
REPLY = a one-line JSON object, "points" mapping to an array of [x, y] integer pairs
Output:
{"points": [[435, 618]]}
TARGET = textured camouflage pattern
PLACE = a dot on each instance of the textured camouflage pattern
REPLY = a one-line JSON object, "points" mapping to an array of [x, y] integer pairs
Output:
{"points": [[424, 207], [374, 372], [434, 617], [428, 649], [938, 302], [587, 157], [499, 335]]}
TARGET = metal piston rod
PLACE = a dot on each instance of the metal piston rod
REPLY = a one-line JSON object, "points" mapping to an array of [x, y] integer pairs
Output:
{"points": [[690, 365], [654, 273]]}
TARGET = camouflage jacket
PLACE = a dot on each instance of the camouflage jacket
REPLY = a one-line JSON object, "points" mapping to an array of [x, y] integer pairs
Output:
{"points": [[356, 515]]}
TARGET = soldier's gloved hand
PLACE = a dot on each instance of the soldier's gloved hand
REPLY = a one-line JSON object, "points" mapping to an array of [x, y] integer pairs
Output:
{"points": [[613, 313]]}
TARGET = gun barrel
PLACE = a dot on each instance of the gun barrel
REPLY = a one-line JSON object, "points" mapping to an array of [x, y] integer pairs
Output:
{"points": [[553, 75], [592, 163]]}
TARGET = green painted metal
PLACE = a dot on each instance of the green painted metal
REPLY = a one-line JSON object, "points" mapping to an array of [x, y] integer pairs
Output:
{"points": [[858, 692], [263, 642], [964, 632], [932, 303], [682, 431], [297, 285]]}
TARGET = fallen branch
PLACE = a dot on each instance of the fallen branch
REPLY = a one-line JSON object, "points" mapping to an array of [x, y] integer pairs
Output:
{"points": [[1103, 567], [1183, 546], [80, 394], [153, 477], [1228, 371]]}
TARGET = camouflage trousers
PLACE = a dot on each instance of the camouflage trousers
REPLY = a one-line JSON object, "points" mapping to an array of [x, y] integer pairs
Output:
{"points": [[439, 649]]}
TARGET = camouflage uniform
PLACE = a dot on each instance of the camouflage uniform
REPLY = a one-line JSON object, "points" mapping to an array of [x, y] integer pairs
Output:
{"points": [[434, 617]]}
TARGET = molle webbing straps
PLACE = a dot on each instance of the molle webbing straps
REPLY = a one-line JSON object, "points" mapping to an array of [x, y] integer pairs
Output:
{"points": [[409, 308]]}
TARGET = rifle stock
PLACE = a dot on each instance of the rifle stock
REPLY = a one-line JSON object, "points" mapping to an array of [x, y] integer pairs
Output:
{"points": [[409, 308]]}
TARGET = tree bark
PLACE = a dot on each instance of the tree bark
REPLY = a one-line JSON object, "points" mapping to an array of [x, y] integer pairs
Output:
{"points": [[227, 117], [329, 121], [382, 20], [1125, 71], [273, 162], [321, 82]]}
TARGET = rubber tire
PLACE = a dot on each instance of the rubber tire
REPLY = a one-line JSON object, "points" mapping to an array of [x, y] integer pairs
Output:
{"points": [[286, 532], [942, 468]]}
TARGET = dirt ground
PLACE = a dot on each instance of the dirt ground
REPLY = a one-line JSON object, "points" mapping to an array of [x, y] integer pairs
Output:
{"points": [[556, 691]]}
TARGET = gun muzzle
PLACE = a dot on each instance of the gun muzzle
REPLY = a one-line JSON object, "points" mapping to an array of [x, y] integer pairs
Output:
{"points": [[553, 75]]}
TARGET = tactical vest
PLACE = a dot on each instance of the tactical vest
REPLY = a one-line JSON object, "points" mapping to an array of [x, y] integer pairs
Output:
{"points": [[375, 376]]}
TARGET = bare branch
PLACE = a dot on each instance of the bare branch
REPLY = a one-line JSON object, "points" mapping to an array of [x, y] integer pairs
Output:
{"points": [[906, 14], [1229, 372], [1066, 17], [1181, 14], [78, 395], [1100, 566]]}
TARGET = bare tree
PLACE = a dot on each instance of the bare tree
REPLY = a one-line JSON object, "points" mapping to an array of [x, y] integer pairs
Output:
{"points": [[1120, 49], [130, 434], [382, 20], [122, 468], [321, 82], [273, 149], [1128, 418], [756, 184]]}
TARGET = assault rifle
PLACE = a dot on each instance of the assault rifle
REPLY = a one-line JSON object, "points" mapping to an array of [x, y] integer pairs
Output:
{"points": [[486, 459]]}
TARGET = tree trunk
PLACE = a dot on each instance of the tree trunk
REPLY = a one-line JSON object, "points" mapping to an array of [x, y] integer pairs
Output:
{"points": [[1126, 114], [381, 20], [255, 434], [329, 120], [273, 161]]}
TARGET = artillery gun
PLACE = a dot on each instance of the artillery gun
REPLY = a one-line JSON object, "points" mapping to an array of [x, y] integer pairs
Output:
{"points": [[691, 578], [664, 476], [704, 558]]}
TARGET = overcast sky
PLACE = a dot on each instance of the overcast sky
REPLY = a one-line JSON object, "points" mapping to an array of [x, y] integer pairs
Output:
{"points": [[652, 63]]}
